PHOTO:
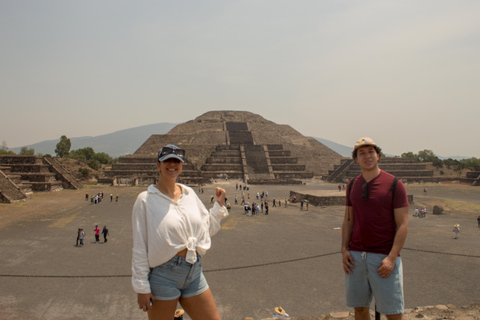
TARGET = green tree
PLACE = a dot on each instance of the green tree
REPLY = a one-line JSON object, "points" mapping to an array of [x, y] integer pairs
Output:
{"points": [[24, 151], [470, 163], [75, 154], [6, 152], [426, 156], [86, 153], [437, 163], [451, 163], [94, 164], [84, 171], [409, 154], [103, 158], [63, 147]]}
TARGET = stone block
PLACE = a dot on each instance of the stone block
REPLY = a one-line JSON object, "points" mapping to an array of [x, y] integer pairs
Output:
{"points": [[437, 209], [340, 315], [441, 307]]}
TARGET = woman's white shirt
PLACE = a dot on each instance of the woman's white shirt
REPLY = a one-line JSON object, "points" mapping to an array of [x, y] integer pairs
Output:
{"points": [[163, 227]]}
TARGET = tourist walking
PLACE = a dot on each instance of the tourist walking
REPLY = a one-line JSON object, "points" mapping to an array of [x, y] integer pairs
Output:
{"points": [[97, 234], [82, 236], [105, 234], [78, 236], [169, 240], [456, 230], [374, 230]]}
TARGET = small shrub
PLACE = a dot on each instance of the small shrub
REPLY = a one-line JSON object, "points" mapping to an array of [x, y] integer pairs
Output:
{"points": [[84, 171], [94, 164]]}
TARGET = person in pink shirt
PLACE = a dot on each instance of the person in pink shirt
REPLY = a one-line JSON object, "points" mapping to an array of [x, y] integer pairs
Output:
{"points": [[97, 234]]}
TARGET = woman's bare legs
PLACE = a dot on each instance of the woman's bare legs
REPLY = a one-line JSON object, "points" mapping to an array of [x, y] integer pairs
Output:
{"points": [[201, 307], [162, 310]]}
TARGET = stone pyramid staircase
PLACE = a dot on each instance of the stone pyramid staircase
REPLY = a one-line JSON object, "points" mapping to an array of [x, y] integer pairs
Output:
{"points": [[21, 175], [242, 159]]}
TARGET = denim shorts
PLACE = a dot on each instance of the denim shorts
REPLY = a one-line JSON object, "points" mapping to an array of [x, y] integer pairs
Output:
{"points": [[177, 278], [364, 284]]}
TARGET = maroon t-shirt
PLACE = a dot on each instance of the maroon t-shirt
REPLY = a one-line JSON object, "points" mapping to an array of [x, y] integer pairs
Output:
{"points": [[374, 226]]}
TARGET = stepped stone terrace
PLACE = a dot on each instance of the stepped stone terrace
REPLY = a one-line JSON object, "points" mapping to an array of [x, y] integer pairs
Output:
{"points": [[408, 169], [21, 175]]}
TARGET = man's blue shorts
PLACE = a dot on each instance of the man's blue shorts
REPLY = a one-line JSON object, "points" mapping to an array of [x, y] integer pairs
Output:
{"points": [[364, 284]]}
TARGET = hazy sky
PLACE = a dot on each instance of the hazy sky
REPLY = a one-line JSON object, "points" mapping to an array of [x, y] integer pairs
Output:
{"points": [[406, 73]]}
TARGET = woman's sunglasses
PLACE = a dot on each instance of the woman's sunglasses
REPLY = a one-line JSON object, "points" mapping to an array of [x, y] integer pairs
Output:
{"points": [[167, 150]]}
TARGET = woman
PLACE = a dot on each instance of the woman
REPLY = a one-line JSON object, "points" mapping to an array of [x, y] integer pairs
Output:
{"points": [[171, 231], [97, 234]]}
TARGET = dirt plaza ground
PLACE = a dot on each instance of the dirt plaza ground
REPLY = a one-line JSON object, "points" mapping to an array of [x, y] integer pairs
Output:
{"points": [[290, 258]]}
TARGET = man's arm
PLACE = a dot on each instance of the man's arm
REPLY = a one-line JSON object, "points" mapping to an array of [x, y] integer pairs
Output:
{"points": [[401, 219], [347, 229]]}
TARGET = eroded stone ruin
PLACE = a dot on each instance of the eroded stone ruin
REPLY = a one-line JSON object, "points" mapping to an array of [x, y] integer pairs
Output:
{"points": [[21, 175]]}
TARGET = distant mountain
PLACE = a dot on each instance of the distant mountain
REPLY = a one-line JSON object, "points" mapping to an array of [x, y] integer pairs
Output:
{"points": [[127, 141], [338, 148], [118, 143]]}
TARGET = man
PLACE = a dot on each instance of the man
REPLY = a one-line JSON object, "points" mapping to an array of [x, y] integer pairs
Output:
{"points": [[373, 233]]}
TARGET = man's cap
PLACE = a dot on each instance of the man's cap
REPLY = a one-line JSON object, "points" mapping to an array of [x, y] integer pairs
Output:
{"points": [[179, 313], [365, 141], [280, 310]]}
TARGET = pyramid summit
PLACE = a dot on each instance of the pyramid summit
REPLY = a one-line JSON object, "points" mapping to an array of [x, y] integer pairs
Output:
{"points": [[233, 144]]}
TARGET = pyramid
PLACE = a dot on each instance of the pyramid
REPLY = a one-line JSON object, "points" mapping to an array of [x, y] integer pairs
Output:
{"points": [[233, 144]]}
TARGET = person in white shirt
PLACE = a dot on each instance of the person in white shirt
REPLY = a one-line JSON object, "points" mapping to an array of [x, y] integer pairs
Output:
{"points": [[171, 232]]}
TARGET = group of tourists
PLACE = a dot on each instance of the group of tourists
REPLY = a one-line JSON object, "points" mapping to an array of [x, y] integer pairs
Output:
{"points": [[172, 231], [255, 208], [95, 199], [96, 231], [422, 213]]}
